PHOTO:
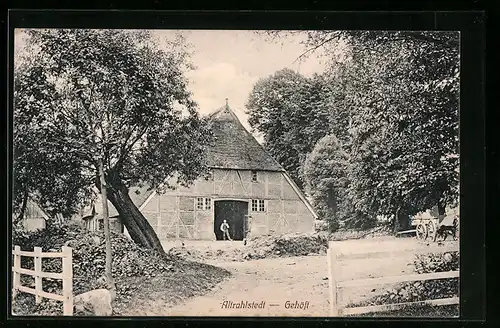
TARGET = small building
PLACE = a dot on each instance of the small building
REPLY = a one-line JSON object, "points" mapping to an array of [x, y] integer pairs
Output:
{"points": [[93, 220], [35, 218]]}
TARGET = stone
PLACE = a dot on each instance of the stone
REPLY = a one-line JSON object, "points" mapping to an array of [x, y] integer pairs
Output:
{"points": [[97, 302]]}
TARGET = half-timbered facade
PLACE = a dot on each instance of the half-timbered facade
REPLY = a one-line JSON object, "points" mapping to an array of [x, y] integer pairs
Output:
{"points": [[246, 187]]}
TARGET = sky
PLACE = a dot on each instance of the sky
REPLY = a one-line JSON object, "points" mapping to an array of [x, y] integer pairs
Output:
{"points": [[229, 62]]}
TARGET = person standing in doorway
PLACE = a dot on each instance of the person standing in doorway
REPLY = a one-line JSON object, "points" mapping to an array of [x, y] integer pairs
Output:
{"points": [[224, 227]]}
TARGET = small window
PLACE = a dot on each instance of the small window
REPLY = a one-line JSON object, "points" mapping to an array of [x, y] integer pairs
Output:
{"points": [[255, 207], [261, 206], [199, 203], [203, 203], [258, 205], [254, 176]]}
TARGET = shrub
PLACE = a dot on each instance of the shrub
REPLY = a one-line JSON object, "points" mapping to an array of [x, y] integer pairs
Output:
{"points": [[296, 244], [129, 259]]}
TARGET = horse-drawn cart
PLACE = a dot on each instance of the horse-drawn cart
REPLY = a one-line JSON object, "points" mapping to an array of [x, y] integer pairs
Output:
{"points": [[431, 228]]}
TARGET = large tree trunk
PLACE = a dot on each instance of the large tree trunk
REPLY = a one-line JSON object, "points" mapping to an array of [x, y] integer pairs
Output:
{"points": [[396, 221], [404, 223], [137, 226]]}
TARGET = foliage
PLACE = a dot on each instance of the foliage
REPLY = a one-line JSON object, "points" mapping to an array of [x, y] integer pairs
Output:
{"points": [[81, 95], [405, 134], [436, 262], [397, 93], [325, 173], [291, 111], [130, 261]]}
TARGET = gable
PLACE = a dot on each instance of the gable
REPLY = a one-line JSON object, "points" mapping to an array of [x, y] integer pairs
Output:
{"points": [[34, 211], [234, 147]]}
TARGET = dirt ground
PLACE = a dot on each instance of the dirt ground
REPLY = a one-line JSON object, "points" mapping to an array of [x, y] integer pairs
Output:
{"points": [[281, 282]]}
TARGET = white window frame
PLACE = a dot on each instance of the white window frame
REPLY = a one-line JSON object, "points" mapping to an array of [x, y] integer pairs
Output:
{"points": [[208, 204], [203, 203], [258, 205]]}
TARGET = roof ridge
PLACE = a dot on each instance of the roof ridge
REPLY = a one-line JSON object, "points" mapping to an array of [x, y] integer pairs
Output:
{"points": [[247, 134]]}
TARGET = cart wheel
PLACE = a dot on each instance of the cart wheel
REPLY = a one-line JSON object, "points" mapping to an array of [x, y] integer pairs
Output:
{"points": [[421, 231], [431, 230]]}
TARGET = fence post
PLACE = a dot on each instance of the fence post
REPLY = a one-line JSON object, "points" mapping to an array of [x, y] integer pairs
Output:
{"points": [[67, 263], [38, 270], [332, 281], [17, 265]]}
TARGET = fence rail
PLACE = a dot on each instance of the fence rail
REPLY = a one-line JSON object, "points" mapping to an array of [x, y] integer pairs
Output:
{"points": [[66, 276], [336, 285]]}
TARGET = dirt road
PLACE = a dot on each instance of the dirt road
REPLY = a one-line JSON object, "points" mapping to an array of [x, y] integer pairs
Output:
{"points": [[292, 286], [270, 283]]}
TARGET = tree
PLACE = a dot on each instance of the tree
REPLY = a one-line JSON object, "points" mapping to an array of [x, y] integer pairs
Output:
{"points": [[400, 91], [325, 174], [405, 145], [36, 166], [110, 96], [291, 112]]}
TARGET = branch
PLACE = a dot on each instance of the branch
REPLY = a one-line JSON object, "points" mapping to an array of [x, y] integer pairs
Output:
{"points": [[421, 37], [315, 48], [126, 149]]}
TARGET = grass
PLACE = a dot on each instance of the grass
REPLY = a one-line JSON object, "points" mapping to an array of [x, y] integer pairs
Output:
{"points": [[422, 311]]}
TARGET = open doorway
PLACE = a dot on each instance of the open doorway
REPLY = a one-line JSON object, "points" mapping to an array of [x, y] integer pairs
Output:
{"points": [[235, 213]]}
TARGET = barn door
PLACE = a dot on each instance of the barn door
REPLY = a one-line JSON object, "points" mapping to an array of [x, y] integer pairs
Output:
{"points": [[235, 213]]}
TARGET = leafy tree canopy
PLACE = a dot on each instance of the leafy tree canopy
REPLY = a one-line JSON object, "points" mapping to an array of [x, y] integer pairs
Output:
{"points": [[395, 107], [84, 95], [292, 113]]}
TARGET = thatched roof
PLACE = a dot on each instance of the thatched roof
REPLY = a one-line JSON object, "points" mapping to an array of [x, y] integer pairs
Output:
{"points": [[234, 147]]}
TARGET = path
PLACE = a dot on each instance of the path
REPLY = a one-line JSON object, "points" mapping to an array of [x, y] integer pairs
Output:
{"points": [[297, 280], [273, 281]]}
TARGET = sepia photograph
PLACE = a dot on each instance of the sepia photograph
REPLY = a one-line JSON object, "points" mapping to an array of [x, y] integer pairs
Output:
{"points": [[235, 173]]}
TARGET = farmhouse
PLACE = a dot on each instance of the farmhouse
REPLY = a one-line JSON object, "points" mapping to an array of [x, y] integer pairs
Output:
{"points": [[246, 187]]}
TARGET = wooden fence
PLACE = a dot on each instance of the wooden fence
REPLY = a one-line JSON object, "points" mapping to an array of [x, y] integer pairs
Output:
{"points": [[387, 251], [66, 276]]}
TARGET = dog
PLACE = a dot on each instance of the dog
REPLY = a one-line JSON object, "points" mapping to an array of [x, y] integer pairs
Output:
{"points": [[444, 230]]}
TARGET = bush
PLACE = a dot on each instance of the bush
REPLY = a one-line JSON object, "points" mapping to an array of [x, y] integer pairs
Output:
{"points": [[137, 271], [129, 259], [437, 262], [320, 225], [297, 244]]}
